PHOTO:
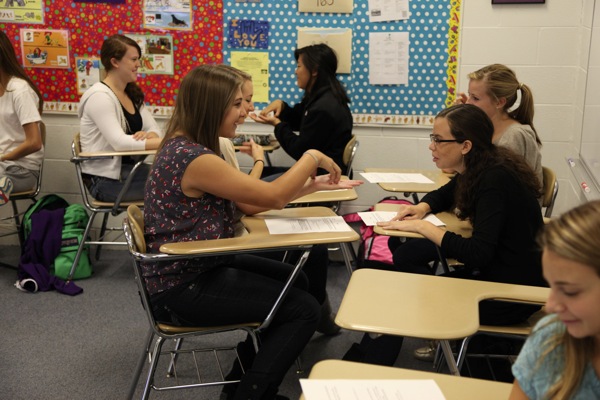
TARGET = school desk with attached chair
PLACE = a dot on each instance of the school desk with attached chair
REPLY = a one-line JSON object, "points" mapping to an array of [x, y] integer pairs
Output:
{"points": [[438, 178]]}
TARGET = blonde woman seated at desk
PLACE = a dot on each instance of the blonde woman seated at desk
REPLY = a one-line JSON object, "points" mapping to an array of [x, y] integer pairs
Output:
{"points": [[114, 118], [561, 358], [497, 191], [192, 194], [495, 89]]}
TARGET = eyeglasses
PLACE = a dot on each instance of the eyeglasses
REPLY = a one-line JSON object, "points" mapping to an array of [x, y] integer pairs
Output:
{"points": [[436, 139]]}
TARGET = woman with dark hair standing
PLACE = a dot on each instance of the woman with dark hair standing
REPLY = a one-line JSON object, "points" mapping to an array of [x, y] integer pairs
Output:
{"points": [[114, 118], [323, 119], [21, 148], [497, 191]]}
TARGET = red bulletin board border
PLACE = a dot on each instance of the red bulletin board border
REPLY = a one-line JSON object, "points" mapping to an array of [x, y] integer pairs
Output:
{"points": [[90, 23]]}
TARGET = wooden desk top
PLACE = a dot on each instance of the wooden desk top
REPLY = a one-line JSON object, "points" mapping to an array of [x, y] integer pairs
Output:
{"points": [[259, 237], [117, 153], [453, 387], [453, 224], [437, 176], [424, 306], [328, 196]]}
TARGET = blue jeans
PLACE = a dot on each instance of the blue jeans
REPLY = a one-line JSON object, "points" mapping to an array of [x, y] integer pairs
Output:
{"points": [[243, 291], [106, 189]]}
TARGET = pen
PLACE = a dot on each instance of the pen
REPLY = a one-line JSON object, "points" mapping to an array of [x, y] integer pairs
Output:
{"points": [[585, 187], [571, 162]]}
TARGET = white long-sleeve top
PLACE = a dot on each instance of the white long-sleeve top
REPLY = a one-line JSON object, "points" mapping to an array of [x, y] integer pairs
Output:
{"points": [[102, 127]]}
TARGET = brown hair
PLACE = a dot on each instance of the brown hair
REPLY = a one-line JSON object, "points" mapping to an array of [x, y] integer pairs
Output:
{"points": [[115, 47], [9, 67], [205, 95]]}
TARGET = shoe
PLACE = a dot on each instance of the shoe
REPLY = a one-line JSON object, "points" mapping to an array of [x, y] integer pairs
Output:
{"points": [[327, 325], [427, 353], [6, 188]]}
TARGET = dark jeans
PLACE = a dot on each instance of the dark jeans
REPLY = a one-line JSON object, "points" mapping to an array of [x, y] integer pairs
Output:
{"points": [[413, 256], [245, 291], [106, 189]]}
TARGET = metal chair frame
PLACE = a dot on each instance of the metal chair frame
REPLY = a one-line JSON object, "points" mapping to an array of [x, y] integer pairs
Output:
{"points": [[26, 195], [97, 207], [133, 230]]}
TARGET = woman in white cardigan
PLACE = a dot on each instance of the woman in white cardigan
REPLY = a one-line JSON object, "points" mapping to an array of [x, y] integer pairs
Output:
{"points": [[113, 118]]}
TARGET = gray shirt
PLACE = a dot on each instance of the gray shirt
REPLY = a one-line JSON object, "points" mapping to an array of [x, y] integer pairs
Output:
{"points": [[521, 139]]}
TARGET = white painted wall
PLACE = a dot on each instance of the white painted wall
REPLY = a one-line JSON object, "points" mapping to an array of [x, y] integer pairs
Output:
{"points": [[547, 45]]}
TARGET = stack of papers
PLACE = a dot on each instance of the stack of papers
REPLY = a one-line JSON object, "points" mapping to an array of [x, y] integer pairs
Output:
{"points": [[394, 177], [371, 389], [371, 218], [283, 226]]}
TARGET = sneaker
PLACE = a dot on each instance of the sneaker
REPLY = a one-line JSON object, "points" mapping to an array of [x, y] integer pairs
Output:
{"points": [[427, 353], [6, 188]]}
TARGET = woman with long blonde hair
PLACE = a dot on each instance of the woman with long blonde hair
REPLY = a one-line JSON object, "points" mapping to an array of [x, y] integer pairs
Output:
{"points": [[561, 358]]}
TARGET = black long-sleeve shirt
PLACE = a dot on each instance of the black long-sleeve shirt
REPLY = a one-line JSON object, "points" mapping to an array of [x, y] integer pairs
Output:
{"points": [[323, 124], [507, 220]]}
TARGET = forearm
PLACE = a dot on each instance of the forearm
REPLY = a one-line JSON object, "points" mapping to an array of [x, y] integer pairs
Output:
{"points": [[24, 149]]}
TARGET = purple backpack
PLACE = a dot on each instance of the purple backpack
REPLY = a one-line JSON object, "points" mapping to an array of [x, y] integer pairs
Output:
{"points": [[373, 251]]}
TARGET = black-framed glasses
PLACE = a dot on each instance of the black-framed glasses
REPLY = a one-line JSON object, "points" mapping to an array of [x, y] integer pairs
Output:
{"points": [[436, 139]]}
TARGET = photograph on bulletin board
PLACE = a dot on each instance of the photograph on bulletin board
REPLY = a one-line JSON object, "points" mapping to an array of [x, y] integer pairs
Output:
{"points": [[45, 48], [88, 73], [157, 53], [173, 14], [22, 11]]}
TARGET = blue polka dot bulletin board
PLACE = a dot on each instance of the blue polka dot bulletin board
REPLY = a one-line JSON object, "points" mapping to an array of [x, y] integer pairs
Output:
{"points": [[433, 29]]}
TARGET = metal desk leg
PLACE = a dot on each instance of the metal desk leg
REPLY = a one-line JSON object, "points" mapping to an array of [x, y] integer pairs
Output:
{"points": [[449, 357]]}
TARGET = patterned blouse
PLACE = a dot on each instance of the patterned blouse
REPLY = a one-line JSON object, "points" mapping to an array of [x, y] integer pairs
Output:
{"points": [[171, 216]]}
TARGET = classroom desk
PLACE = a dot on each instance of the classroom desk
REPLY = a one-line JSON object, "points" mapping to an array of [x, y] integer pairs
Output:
{"points": [[453, 387], [259, 239], [453, 224], [423, 306], [438, 177], [269, 148], [117, 153]]}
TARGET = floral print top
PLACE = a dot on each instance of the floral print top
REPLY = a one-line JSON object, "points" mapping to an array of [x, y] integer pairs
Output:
{"points": [[171, 216]]}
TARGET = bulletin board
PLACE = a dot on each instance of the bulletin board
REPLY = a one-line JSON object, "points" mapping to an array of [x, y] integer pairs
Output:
{"points": [[433, 30], [89, 23]]}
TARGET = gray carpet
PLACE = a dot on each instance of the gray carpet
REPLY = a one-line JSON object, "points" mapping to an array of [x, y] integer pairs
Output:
{"points": [[85, 347]]}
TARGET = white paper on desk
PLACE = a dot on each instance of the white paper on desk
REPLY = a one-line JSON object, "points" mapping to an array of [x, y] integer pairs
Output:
{"points": [[394, 177], [371, 389], [434, 220], [371, 218], [282, 226]]}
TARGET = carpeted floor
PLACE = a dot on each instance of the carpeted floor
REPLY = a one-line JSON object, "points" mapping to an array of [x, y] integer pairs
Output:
{"points": [[85, 347]]}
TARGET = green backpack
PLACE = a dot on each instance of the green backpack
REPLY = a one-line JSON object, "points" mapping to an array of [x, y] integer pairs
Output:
{"points": [[74, 223]]}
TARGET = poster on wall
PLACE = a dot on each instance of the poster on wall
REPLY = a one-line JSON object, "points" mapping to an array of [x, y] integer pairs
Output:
{"points": [[248, 33], [45, 48], [388, 58], [168, 14], [22, 11], [388, 10], [157, 53], [339, 39], [88, 73], [256, 64]]}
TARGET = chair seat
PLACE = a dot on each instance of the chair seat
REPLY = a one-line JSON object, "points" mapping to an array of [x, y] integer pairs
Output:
{"points": [[172, 329], [124, 204], [523, 328], [26, 194]]}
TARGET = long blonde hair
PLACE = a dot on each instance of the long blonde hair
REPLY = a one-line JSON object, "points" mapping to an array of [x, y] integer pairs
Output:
{"points": [[205, 94], [573, 236], [502, 82]]}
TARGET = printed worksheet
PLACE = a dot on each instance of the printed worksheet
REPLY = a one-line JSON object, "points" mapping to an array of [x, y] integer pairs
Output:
{"points": [[371, 218], [282, 226], [393, 177], [370, 389]]}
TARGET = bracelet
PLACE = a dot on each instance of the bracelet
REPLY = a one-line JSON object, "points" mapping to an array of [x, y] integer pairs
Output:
{"points": [[314, 157], [262, 161]]}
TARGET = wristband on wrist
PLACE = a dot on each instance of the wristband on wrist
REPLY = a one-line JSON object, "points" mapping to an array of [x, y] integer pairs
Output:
{"points": [[262, 161], [314, 157]]}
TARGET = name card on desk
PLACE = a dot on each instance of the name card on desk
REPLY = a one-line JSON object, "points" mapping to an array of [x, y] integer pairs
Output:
{"points": [[394, 177], [370, 389], [283, 226]]}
